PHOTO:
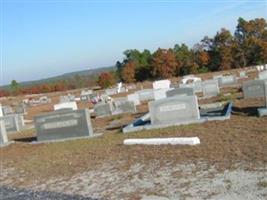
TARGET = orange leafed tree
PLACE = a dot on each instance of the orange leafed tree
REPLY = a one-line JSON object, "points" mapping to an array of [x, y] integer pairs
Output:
{"points": [[203, 58], [106, 79], [128, 72], [164, 63]]}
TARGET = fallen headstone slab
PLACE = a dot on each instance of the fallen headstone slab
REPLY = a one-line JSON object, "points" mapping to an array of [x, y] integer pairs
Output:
{"points": [[163, 141]]}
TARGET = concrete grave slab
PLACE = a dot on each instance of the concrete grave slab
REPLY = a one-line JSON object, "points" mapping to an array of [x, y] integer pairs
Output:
{"points": [[66, 105], [3, 134]]}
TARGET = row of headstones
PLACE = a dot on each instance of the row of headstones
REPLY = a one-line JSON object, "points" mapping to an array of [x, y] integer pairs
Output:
{"points": [[36, 102], [261, 67]]}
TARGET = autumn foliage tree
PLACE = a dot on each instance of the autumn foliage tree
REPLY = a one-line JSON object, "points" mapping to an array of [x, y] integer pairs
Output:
{"points": [[164, 64], [128, 72], [106, 79]]}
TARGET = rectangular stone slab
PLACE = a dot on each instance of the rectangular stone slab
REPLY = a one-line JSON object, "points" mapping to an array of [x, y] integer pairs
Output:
{"points": [[174, 110], [60, 125], [180, 91], [253, 89]]}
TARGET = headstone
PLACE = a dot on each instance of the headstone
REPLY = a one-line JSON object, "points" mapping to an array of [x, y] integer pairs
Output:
{"points": [[13, 123], [67, 105], [111, 91], [210, 88], [20, 109], [242, 74], [3, 134], [180, 92], [62, 125], [103, 109], [85, 95], [134, 98], [197, 86], [227, 80], [122, 105], [146, 94], [162, 84], [160, 93], [253, 89], [173, 110], [7, 110], [263, 75], [1, 111]]}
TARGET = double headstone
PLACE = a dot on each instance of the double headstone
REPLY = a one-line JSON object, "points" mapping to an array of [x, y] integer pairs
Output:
{"points": [[253, 89], [227, 80], [174, 110], [134, 98], [263, 75], [161, 84], [146, 94], [60, 125], [67, 105], [210, 88], [187, 91], [13, 123]]}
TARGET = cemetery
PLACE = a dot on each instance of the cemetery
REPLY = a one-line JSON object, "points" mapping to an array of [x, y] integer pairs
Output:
{"points": [[91, 136]]}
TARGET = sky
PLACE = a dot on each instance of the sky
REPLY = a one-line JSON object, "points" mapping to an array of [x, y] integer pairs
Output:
{"points": [[43, 38]]}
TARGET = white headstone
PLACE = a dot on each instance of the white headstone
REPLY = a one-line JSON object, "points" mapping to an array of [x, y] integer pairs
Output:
{"points": [[66, 105], [162, 84]]}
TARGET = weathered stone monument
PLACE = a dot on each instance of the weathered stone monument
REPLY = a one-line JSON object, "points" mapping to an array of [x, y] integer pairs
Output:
{"points": [[263, 75], [3, 134], [160, 93], [186, 91], [60, 125], [253, 89], [263, 111], [7, 110], [66, 105], [122, 105], [227, 80], [135, 98], [103, 109], [13, 123], [146, 94], [161, 84], [174, 110], [210, 88]]}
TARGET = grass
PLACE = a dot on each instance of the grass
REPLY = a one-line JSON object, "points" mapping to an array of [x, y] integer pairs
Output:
{"points": [[262, 184]]}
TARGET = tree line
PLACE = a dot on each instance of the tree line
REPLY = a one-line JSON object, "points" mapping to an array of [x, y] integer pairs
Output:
{"points": [[246, 47]]}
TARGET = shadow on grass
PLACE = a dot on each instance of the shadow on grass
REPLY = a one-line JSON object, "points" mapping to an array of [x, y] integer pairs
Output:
{"points": [[26, 139], [248, 111]]}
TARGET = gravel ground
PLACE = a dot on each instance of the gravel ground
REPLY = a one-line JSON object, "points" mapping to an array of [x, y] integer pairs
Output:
{"points": [[8, 193]]}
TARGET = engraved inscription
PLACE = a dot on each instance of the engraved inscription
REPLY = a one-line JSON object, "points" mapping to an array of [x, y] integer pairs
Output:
{"points": [[172, 107], [62, 124]]}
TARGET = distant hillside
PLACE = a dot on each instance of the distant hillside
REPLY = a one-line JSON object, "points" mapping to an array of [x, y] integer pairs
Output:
{"points": [[89, 72]]}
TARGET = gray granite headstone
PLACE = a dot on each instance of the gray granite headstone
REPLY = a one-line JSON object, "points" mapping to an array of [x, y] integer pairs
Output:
{"points": [[20, 109], [180, 92], [111, 91], [3, 134], [227, 80], [103, 109], [263, 75], [13, 123], [210, 88], [135, 98], [7, 110], [263, 111], [122, 105], [253, 88], [146, 94], [60, 125], [173, 110]]}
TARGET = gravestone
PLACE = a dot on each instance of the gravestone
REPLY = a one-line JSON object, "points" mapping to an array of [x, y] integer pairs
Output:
{"points": [[161, 84], [227, 80], [134, 98], [7, 110], [122, 105], [160, 93], [1, 111], [263, 75], [146, 94], [66, 105], [60, 125], [20, 109], [242, 74], [85, 95], [197, 86], [263, 111], [3, 134], [103, 109], [180, 92], [210, 88], [111, 91], [253, 89], [13, 123], [174, 110]]}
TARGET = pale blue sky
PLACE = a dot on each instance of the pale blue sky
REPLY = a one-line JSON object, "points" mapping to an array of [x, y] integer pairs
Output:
{"points": [[46, 38]]}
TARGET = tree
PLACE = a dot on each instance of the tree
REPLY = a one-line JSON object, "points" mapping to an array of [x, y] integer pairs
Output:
{"points": [[185, 59], [14, 87], [128, 72], [106, 79], [164, 63]]}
